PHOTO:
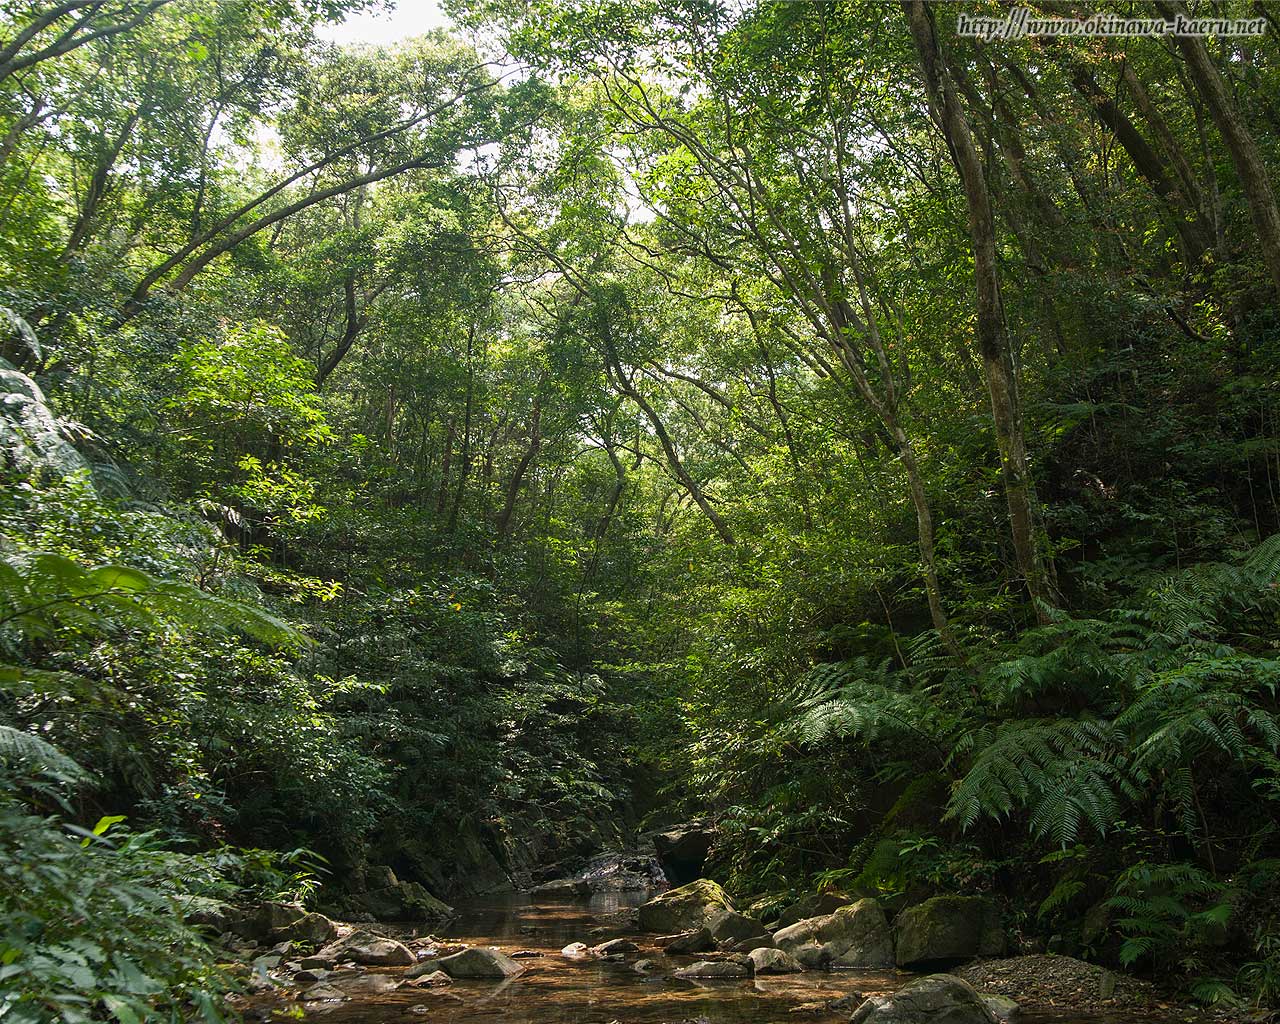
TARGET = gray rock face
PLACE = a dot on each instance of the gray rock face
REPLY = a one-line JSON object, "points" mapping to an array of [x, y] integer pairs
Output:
{"points": [[682, 851], [697, 941], [936, 999], [852, 936], [370, 949], [714, 969], [312, 929], [812, 906], [562, 889], [733, 931], [684, 909], [948, 929], [774, 961], [479, 963]]}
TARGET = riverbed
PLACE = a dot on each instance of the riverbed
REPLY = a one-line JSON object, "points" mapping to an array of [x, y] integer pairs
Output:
{"points": [[556, 989]]}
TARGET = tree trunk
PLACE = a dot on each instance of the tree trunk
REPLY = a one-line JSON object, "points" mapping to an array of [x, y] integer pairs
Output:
{"points": [[1245, 155], [465, 469], [993, 339], [1188, 220], [522, 467]]}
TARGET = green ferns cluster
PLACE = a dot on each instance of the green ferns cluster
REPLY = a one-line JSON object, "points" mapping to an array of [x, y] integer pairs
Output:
{"points": [[1134, 711], [1155, 726]]}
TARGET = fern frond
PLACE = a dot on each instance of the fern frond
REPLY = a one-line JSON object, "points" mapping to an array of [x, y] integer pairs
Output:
{"points": [[1065, 772], [37, 753]]}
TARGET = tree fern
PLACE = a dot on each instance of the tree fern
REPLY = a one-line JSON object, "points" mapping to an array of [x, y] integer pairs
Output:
{"points": [[1191, 604], [863, 701], [1064, 772], [35, 753]]}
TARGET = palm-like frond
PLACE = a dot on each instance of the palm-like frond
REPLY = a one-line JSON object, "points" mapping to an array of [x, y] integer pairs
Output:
{"points": [[864, 701], [37, 753], [1066, 772]]}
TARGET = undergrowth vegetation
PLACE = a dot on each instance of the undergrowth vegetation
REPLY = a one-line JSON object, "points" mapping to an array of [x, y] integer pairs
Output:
{"points": [[450, 457]]}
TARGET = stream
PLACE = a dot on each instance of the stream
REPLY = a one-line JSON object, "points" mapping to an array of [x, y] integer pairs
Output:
{"points": [[558, 990]]}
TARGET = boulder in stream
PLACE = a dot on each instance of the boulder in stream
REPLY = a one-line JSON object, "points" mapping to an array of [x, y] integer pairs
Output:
{"points": [[615, 946], [432, 979], [697, 941], [310, 929], [714, 969], [1004, 1009], [684, 909], [364, 984], [852, 936], [936, 999], [818, 905], [947, 930], [737, 932], [767, 960], [479, 962], [562, 889], [323, 992], [370, 949]]}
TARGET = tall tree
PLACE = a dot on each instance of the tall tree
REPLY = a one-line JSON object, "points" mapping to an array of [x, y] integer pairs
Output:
{"points": [[993, 337]]}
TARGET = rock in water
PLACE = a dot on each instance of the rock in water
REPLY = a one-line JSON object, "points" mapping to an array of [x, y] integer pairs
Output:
{"points": [[713, 969], [937, 999], [774, 961], [575, 950], [697, 941], [615, 946], [323, 991], [370, 949], [731, 930], [433, 979], [948, 929], [1004, 1009], [562, 889], [684, 909], [365, 984], [853, 936], [479, 963]]}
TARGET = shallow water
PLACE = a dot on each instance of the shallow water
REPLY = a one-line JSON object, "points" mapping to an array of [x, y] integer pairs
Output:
{"points": [[557, 990]]}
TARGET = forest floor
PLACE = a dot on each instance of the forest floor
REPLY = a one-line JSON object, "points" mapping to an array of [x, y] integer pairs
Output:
{"points": [[1064, 982]]}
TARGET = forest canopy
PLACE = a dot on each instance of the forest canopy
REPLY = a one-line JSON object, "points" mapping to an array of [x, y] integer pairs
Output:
{"points": [[453, 456]]}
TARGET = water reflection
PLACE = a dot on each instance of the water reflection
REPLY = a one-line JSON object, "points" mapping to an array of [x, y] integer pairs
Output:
{"points": [[558, 990]]}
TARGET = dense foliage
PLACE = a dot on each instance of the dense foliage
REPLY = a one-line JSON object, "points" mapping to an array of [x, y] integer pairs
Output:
{"points": [[797, 414]]}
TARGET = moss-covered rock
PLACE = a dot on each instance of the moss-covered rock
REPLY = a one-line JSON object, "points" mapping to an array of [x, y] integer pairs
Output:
{"points": [[852, 936], [684, 909], [937, 999], [948, 929]]}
